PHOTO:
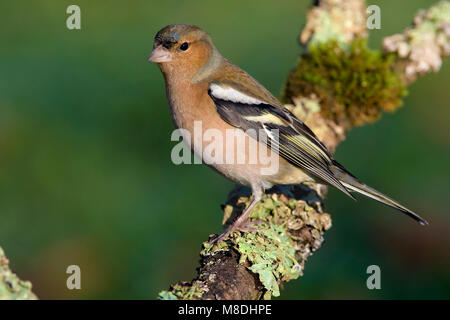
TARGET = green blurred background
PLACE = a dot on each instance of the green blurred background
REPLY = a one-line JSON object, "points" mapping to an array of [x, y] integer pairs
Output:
{"points": [[85, 170]]}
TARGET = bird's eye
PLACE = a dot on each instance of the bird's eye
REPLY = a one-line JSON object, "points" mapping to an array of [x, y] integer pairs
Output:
{"points": [[184, 46]]}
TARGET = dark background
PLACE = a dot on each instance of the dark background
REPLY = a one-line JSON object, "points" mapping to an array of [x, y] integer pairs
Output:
{"points": [[85, 170]]}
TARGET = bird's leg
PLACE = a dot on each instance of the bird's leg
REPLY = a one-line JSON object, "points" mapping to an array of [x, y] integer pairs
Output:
{"points": [[241, 223]]}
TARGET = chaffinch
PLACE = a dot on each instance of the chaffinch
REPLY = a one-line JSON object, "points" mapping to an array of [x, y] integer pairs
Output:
{"points": [[202, 86]]}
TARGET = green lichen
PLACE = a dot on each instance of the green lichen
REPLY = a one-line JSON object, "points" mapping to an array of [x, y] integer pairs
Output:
{"points": [[354, 85], [278, 251], [291, 229], [183, 291], [11, 287], [271, 255], [422, 46], [167, 295], [439, 13], [327, 29]]}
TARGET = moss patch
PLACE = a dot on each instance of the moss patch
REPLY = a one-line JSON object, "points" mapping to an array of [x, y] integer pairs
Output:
{"points": [[354, 84]]}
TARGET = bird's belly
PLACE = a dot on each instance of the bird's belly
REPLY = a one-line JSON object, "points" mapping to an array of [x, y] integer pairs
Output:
{"points": [[234, 154], [240, 158], [229, 150], [289, 174]]}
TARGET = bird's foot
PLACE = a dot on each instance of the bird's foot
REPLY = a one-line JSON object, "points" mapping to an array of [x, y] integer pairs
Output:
{"points": [[244, 226], [250, 226]]}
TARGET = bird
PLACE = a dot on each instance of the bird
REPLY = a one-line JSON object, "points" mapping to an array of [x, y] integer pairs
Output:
{"points": [[204, 87]]}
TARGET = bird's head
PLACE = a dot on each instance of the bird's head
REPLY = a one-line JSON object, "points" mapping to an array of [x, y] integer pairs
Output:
{"points": [[182, 48]]}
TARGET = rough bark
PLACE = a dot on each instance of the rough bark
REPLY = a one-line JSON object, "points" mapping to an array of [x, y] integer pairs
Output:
{"points": [[338, 83]]}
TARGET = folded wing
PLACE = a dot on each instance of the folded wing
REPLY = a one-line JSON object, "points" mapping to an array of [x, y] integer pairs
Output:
{"points": [[283, 132]]}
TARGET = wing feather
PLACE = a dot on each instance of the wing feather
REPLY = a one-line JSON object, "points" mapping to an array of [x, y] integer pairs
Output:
{"points": [[294, 141]]}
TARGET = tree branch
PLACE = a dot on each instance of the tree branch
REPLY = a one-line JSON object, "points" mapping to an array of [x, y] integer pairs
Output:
{"points": [[11, 287], [338, 83]]}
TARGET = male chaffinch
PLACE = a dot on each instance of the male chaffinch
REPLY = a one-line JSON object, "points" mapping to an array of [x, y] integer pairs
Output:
{"points": [[203, 86]]}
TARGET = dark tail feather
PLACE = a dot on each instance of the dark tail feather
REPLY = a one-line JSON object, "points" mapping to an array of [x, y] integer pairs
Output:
{"points": [[353, 184]]}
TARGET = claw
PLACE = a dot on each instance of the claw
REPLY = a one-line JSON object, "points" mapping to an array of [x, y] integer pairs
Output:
{"points": [[241, 223], [245, 226]]}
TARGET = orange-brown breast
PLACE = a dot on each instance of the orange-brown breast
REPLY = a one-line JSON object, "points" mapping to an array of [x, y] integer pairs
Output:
{"points": [[249, 162]]}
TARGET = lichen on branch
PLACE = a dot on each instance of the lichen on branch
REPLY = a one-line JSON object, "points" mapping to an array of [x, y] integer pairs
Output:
{"points": [[11, 287], [292, 229], [421, 47]]}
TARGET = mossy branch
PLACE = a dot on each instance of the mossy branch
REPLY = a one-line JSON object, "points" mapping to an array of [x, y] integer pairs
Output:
{"points": [[11, 287], [338, 83]]}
